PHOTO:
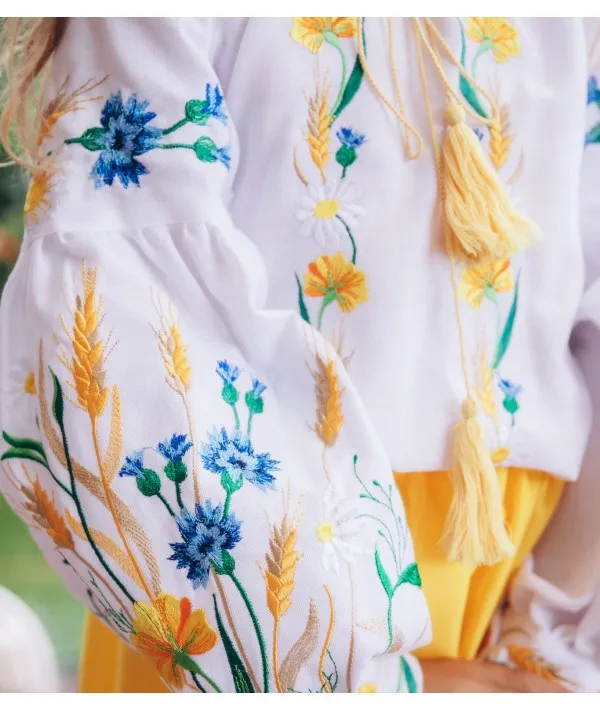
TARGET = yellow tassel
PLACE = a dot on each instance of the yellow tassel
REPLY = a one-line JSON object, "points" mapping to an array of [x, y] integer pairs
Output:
{"points": [[475, 529], [482, 219]]}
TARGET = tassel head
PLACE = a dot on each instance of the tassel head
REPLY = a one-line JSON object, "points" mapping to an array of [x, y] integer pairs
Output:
{"points": [[482, 220], [475, 529]]}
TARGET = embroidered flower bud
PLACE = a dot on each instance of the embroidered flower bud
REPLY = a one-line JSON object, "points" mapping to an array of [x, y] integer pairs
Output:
{"points": [[206, 150], [148, 483], [351, 141], [511, 391], [195, 111], [176, 471], [227, 565], [199, 112], [254, 400]]}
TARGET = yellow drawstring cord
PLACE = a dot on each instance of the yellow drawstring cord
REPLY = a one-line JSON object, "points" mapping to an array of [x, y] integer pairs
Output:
{"points": [[397, 111]]}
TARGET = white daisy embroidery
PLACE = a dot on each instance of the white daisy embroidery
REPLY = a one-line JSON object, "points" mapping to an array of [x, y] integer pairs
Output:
{"points": [[327, 211], [339, 530]]}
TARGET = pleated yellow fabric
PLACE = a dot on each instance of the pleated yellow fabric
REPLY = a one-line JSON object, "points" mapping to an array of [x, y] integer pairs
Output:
{"points": [[462, 600]]}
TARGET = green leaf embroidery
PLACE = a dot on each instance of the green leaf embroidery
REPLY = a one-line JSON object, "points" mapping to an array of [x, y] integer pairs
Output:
{"points": [[408, 675], [58, 402], [353, 85], [23, 454], [466, 88], [383, 576], [241, 679], [410, 576], [301, 303], [504, 341], [26, 443]]}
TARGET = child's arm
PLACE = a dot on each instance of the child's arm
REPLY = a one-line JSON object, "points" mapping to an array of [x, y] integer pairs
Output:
{"points": [[199, 468], [552, 625]]}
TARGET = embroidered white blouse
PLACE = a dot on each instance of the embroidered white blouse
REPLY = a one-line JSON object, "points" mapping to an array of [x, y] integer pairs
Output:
{"points": [[236, 318]]}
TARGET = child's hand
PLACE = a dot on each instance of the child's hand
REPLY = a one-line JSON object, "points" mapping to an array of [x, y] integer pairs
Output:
{"points": [[459, 676]]}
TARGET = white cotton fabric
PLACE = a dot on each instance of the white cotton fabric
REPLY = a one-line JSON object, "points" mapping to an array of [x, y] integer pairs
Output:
{"points": [[224, 247]]}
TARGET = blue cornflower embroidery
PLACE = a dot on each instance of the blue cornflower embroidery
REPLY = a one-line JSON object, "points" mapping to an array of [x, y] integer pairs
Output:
{"points": [[232, 456], [350, 138], [351, 141], [510, 389], [227, 372], [257, 388], [134, 465], [175, 448], [206, 535], [125, 134]]}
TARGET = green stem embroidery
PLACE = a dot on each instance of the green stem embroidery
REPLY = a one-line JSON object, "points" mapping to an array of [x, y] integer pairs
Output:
{"points": [[484, 47], [208, 679], [165, 502], [197, 683], [328, 299], [227, 504], [333, 40], [175, 127], [301, 304], [249, 430], [257, 629], [351, 237], [237, 417], [178, 494], [58, 409], [170, 146]]}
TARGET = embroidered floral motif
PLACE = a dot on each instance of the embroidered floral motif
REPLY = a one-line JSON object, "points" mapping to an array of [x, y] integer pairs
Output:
{"points": [[335, 279], [329, 211], [313, 31], [207, 536], [489, 283], [481, 282], [339, 530], [493, 34], [125, 133], [169, 632], [43, 510]]}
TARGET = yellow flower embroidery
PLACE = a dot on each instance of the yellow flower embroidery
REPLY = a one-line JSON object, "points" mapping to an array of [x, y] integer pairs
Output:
{"points": [[480, 282], [494, 33], [29, 384], [333, 278], [311, 32], [168, 632], [368, 688]]}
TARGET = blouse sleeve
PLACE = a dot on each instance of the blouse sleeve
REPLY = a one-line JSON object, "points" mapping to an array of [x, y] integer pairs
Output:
{"points": [[198, 468], [552, 621]]}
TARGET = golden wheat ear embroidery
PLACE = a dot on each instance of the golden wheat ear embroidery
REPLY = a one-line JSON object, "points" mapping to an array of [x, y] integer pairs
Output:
{"points": [[87, 366], [318, 137], [329, 414], [173, 352]]}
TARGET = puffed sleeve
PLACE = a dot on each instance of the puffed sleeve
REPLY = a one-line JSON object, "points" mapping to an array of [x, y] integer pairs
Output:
{"points": [[552, 622], [198, 468]]}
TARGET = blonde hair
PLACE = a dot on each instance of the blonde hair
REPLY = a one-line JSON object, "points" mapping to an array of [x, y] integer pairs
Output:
{"points": [[26, 46]]}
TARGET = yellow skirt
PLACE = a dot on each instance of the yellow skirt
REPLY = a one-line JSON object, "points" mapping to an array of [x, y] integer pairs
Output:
{"points": [[462, 600]]}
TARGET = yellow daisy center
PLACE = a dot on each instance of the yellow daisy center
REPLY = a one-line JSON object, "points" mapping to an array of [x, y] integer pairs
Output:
{"points": [[325, 531], [326, 209]]}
